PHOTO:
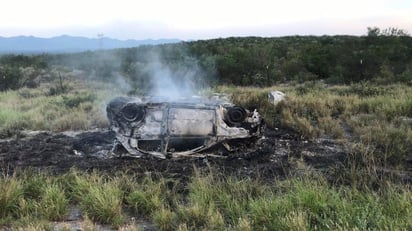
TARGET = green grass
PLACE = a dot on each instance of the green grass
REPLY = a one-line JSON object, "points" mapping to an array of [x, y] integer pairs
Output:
{"points": [[146, 197], [212, 202], [53, 202], [80, 108], [99, 197], [376, 116], [11, 194], [315, 205]]}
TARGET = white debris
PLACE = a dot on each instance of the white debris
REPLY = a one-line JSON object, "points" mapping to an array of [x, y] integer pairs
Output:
{"points": [[276, 96], [77, 153]]}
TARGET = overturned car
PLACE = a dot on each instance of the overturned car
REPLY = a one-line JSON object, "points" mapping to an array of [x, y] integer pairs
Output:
{"points": [[184, 127]]}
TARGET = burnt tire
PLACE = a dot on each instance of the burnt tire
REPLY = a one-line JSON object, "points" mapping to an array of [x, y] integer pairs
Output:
{"points": [[235, 115], [133, 112]]}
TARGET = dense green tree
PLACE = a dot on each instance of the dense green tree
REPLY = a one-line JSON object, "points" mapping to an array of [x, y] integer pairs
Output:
{"points": [[380, 54], [10, 77]]}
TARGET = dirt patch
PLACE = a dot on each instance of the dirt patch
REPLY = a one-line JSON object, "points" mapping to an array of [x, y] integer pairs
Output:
{"points": [[278, 154]]}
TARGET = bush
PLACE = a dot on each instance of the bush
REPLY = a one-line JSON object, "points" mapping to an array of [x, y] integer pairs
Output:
{"points": [[406, 76], [10, 78], [365, 89], [73, 101]]}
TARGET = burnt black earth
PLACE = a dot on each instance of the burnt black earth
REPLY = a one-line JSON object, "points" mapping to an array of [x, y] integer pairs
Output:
{"points": [[278, 154]]}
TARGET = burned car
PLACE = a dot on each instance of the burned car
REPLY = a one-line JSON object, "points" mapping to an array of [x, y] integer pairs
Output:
{"points": [[184, 127]]}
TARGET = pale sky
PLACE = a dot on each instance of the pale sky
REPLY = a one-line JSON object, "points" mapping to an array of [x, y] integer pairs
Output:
{"points": [[201, 19]]}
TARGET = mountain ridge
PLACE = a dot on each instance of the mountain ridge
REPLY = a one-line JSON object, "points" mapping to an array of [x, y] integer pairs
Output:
{"points": [[68, 43]]}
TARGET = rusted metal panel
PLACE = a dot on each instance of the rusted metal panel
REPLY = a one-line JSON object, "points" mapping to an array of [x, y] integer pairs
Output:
{"points": [[190, 122]]}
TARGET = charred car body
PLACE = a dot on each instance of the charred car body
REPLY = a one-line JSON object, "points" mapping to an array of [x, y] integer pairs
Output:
{"points": [[185, 127]]}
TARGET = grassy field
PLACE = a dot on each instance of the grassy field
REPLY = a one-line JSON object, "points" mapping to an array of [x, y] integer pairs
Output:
{"points": [[211, 202], [374, 121]]}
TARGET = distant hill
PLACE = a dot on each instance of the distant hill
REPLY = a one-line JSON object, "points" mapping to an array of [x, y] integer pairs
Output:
{"points": [[65, 43]]}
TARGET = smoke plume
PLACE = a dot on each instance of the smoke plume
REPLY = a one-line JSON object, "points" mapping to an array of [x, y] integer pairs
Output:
{"points": [[174, 80]]}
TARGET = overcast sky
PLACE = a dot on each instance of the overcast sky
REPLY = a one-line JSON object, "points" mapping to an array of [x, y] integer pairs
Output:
{"points": [[201, 19]]}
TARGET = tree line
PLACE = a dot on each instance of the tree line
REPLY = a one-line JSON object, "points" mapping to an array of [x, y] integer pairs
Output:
{"points": [[382, 56]]}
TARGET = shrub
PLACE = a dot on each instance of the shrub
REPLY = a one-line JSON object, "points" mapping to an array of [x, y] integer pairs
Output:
{"points": [[73, 101], [10, 77], [365, 89]]}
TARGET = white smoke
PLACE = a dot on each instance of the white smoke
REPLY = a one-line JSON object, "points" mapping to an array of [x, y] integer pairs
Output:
{"points": [[122, 84], [167, 73], [174, 82]]}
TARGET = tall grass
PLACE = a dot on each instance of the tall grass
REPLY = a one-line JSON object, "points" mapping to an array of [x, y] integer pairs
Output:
{"points": [[311, 204], [11, 194], [145, 197], [98, 196], [53, 203], [80, 108], [217, 203], [211, 201], [372, 115]]}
